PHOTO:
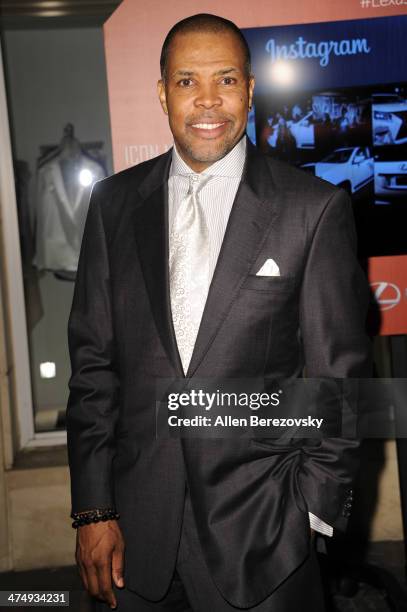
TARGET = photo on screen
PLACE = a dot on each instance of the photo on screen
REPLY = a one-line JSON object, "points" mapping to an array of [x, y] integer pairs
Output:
{"points": [[330, 100], [389, 112], [389, 134], [327, 133]]}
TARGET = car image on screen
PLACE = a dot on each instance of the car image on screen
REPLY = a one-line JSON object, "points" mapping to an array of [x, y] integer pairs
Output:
{"points": [[390, 175], [349, 167], [389, 123], [390, 181]]}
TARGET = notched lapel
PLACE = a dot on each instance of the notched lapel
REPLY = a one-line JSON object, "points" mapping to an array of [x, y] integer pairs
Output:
{"points": [[151, 228]]}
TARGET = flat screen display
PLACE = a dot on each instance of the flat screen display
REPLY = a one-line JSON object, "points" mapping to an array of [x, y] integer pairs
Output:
{"points": [[331, 98]]}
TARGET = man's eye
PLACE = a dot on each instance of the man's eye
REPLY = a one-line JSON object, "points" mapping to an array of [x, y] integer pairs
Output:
{"points": [[185, 82], [228, 81]]}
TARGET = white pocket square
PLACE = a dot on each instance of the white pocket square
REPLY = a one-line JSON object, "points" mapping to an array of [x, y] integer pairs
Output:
{"points": [[269, 268]]}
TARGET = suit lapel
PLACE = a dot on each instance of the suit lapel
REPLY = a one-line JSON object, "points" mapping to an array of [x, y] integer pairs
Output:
{"points": [[151, 227], [252, 214]]}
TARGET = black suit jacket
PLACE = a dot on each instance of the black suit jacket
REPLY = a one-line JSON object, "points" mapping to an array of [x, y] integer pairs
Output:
{"points": [[250, 497]]}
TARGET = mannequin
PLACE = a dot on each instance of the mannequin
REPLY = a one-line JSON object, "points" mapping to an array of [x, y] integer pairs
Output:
{"points": [[64, 181]]}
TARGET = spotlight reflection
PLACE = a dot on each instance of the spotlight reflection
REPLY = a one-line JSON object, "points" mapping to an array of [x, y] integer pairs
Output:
{"points": [[282, 73]]}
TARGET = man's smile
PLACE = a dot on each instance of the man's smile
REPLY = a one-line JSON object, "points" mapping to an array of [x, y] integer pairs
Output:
{"points": [[207, 126], [209, 130]]}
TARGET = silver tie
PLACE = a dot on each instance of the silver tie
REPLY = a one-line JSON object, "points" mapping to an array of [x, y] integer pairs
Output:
{"points": [[189, 268]]}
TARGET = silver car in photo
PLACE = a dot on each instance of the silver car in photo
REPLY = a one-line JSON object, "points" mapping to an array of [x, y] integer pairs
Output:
{"points": [[347, 167], [389, 123], [390, 181]]}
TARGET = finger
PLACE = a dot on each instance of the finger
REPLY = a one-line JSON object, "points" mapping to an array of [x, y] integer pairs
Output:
{"points": [[117, 567], [82, 573], [80, 563], [104, 573], [92, 579]]}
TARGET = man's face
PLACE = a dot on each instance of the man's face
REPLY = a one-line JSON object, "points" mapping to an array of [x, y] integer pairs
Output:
{"points": [[206, 95]]}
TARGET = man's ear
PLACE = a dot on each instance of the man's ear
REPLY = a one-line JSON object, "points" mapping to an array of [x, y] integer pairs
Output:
{"points": [[162, 96], [251, 90]]}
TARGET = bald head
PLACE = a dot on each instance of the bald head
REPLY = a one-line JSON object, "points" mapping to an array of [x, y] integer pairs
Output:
{"points": [[204, 22]]}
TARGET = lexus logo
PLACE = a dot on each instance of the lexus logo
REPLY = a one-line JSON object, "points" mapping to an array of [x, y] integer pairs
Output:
{"points": [[387, 295], [403, 167]]}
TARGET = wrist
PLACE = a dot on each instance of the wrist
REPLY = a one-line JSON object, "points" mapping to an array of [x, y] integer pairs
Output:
{"points": [[93, 516]]}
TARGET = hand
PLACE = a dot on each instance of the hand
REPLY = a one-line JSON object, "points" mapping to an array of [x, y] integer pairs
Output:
{"points": [[100, 556]]}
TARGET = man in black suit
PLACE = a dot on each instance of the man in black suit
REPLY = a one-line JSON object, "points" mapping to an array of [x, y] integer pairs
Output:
{"points": [[210, 261]]}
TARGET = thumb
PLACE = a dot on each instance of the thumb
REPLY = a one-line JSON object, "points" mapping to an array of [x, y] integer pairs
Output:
{"points": [[117, 567]]}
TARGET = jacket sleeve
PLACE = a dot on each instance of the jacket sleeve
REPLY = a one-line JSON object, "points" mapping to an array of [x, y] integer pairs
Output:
{"points": [[93, 402], [333, 308]]}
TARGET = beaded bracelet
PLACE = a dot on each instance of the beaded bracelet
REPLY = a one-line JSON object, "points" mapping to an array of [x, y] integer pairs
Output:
{"points": [[93, 516]]}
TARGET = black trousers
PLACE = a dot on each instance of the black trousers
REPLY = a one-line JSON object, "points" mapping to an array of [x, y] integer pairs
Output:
{"points": [[192, 589]]}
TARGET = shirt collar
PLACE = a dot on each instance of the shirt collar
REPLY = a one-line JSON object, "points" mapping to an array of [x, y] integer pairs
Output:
{"points": [[230, 166]]}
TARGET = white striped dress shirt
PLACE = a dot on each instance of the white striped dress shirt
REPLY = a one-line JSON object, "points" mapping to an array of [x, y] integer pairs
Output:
{"points": [[216, 198]]}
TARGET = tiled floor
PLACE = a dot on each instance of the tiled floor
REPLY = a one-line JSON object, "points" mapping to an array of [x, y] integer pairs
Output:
{"points": [[361, 594]]}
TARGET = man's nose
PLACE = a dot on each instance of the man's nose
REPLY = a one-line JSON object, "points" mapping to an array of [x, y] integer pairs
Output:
{"points": [[208, 96]]}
